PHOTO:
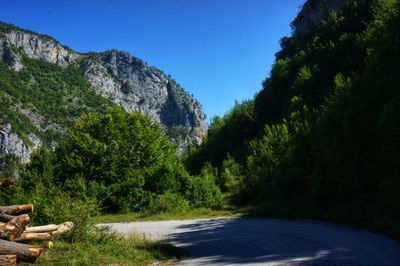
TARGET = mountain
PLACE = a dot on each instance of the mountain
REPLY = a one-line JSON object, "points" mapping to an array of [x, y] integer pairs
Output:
{"points": [[46, 86]]}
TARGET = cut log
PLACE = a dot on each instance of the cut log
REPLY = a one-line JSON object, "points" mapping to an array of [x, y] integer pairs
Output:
{"points": [[33, 236], [23, 252], [8, 182], [16, 209], [7, 260], [42, 229], [65, 227], [4, 218], [19, 223], [15, 227]]}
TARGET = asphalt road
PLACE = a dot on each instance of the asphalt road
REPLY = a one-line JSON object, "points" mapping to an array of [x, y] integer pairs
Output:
{"points": [[247, 241]]}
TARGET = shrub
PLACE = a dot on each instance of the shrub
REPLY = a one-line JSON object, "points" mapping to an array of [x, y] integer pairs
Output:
{"points": [[202, 190], [169, 202], [231, 176]]}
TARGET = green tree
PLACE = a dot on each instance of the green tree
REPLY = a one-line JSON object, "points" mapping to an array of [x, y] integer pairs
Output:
{"points": [[231, 175], [120, 158]]}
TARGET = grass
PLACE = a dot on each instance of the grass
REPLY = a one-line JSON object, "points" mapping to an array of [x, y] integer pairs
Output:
{"points": [[226, 210], [106, 248], [191, 214], [102, 247], [133, 250]]}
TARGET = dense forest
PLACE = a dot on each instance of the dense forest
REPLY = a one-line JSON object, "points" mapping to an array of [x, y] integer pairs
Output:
{"points": [[320, 140]]}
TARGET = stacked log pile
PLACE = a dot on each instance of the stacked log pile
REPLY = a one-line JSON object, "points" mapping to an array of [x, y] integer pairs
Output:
{"points": [[17, 235]]}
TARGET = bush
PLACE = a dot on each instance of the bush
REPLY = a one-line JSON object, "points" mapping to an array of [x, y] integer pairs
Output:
{"points": [[202, 190], [231, 176], [169, 202]]}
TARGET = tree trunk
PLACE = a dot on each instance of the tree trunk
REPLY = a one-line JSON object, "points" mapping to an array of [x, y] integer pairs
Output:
{"points": [[23, 252], [33, 236], [7, 260], [16, 209]]}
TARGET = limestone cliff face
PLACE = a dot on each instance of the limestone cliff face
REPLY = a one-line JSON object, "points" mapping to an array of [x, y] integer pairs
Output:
{"points": [[137, 87], [35, 46], [314, 12], [116, 75], [12, 144]]}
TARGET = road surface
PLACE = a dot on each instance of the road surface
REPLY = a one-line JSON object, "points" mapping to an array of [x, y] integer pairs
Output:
{"points": [[248, 241]]}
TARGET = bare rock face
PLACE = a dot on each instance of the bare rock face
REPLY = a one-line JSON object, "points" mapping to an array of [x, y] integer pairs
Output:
{"points": [[10, 57], [12, 144], [314, 12], [135, 86], [116, 75], [38, 47]]}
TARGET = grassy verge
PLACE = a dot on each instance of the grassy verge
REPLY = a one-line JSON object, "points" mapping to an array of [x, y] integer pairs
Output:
{"points": [[226, 210], [133, 250], [191, 214]]}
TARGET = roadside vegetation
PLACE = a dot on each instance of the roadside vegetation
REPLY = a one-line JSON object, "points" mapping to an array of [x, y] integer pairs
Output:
{"points": [[107, 248]]}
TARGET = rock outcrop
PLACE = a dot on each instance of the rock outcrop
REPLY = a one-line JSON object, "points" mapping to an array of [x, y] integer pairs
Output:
{"points": [[314, 12], [135, 86], [35, 46], [12, 144]]}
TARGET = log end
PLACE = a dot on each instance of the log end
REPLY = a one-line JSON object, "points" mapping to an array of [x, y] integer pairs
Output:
{"points": [[63, 228], [26, 208], [36, 251]]}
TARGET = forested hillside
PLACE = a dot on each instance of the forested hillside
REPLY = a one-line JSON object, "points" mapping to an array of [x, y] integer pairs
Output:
{"points": [[322, 138]]}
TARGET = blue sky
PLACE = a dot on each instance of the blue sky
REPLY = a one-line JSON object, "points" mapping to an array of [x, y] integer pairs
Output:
{"points": [[219, 50]]}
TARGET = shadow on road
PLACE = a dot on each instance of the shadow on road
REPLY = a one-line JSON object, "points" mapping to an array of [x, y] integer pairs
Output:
{"points": [[283, 242]]}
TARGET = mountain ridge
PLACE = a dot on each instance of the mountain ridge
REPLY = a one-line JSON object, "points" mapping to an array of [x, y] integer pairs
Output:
{"points": [[114, 75]]}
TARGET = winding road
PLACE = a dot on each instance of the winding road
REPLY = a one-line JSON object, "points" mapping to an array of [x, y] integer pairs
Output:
{"points": [[253, 241]]}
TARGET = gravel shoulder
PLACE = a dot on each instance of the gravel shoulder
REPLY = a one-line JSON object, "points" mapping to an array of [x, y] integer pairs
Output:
{"points": [[253, 241]]}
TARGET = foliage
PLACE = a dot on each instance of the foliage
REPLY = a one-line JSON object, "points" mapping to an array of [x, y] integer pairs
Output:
{"points": [[169, 202], [9, 165], [202, 191], [229, 134], [231, 176], [324, 129], [124, 161]]}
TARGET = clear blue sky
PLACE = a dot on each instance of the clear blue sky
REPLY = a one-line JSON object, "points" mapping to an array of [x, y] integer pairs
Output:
{"points": [[219, 50]]}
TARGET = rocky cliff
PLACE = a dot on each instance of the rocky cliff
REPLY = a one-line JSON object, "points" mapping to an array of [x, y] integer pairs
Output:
{"points": [[114, 75], [314, 12], [137, 87]]}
